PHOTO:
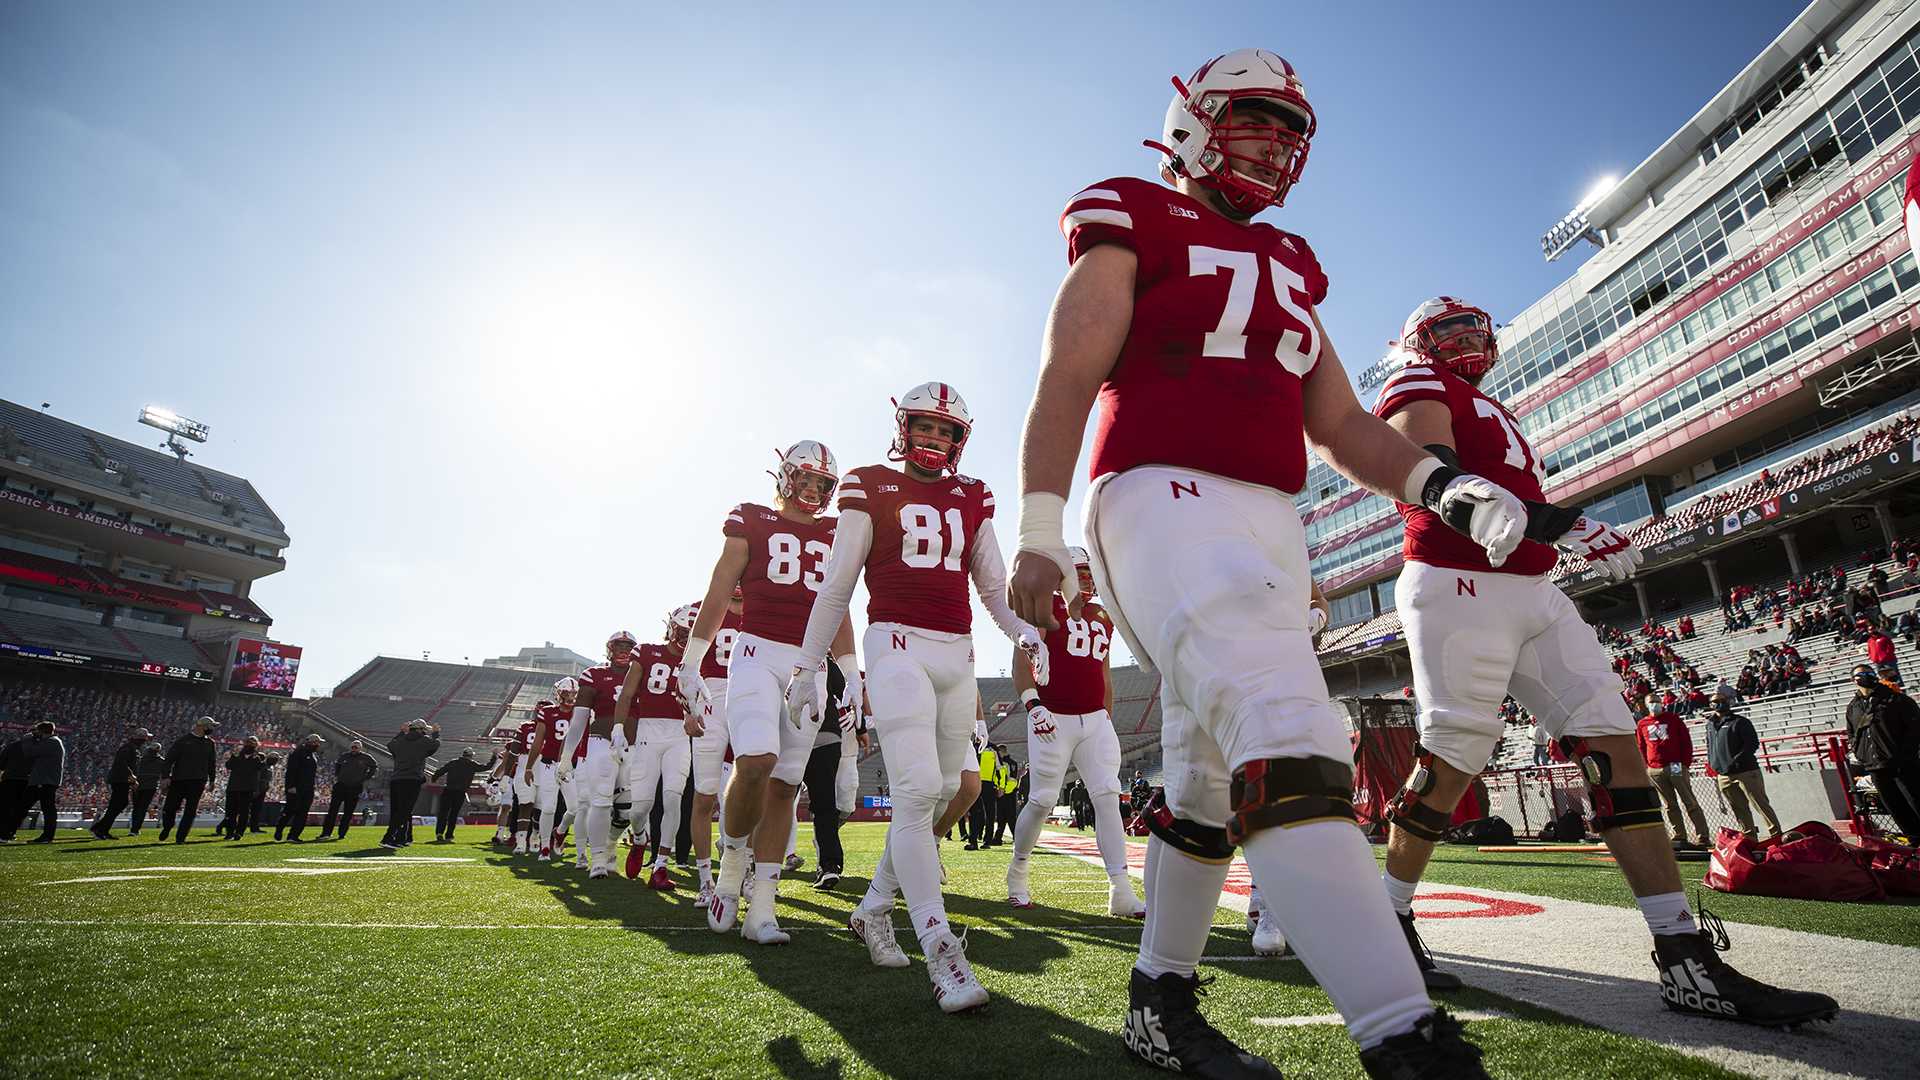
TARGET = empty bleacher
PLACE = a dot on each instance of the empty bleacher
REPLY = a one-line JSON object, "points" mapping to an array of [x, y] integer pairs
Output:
{"points": [[468, 702]]}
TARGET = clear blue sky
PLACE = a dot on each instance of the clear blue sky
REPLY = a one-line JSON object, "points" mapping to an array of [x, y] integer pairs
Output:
{"points": [[502, 310]]}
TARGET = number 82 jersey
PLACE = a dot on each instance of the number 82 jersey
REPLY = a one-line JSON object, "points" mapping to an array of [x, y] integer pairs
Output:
{"points": [[1077, 660], [1222, 337], [1488, 440]]}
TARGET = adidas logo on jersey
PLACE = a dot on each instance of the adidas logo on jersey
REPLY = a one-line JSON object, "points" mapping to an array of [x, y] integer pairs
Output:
{"points": [[1287, 242], [1688, 985], [958, 490], [1145, 1038], [1181, 211]]}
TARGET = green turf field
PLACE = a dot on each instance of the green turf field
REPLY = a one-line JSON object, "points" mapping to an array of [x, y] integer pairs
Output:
{"points": [[487, 965]]}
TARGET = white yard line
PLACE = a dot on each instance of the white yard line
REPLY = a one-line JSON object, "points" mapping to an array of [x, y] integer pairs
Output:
{"points": [[1590, 962], [1334, 1018]]}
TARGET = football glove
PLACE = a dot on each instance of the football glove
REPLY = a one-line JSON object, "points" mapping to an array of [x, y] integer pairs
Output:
{"points": [[1603, 546], [563, 771], [803, 695], [1486, 512], [1042, 720], [1035, 647], [693, 690], [1316, 621]]}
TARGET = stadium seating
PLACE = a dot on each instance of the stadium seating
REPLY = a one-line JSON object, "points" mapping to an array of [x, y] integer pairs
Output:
{"points": [[467, 701]]}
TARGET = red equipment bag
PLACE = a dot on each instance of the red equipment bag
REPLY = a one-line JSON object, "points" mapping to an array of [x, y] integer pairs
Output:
{"points": [[1895, 866], [1808, 862]]}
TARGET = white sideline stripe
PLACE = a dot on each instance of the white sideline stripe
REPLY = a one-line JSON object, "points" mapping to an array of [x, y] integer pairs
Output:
{"points": [[376, 860], [145, 872], [104, 877], [1334, 1018], [267, 924]]}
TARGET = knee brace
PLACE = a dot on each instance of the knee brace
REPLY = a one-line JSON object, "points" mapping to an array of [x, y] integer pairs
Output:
{"points": [[1613, 807], [1202, 842], [1412, 815], [1287, 792]]}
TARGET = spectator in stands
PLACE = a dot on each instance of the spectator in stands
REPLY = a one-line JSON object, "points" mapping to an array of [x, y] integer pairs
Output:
{"points": [[1883, 736], [1542, 752], [1908, 627], [410, 749], [303, 769], [148, 771], [351, 773], [246, 777], [1667, 748], [1880, 654], [190, 765], [457, 776], [120, 778], [1732, 746]]}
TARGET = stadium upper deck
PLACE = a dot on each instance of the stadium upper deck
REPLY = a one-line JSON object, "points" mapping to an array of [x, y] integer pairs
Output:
{"points": [[121, 558], [1752, 299]]}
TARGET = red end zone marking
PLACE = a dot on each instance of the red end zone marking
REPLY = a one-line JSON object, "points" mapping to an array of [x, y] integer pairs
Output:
{"points": [[1487, 907]]}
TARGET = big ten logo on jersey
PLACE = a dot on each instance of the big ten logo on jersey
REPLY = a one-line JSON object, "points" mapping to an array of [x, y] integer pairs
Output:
{"points": [[1086, 638], [1297, 350], [722, 651], [790, 560], [925, 544], [1519, 454], [659, 677]]}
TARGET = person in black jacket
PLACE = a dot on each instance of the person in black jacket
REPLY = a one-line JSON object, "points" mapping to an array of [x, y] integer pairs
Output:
{"points": [[303, 769], [120, 777], [1883, 735], [148, 771], [257, 813], [411, 749], [1731, 748], [458, 776], [246, 771], [14, 767], [190, 765], [350, 776]]}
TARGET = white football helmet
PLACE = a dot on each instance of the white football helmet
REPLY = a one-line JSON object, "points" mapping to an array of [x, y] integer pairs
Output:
{"points": [[812, 459], [1202, 121], [680, 624], [1083, 569], [942, 402], [1453, 334], [621, 637]]}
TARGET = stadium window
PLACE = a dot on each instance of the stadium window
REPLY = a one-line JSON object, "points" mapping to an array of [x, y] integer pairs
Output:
{"points": [[1689, 394], [1826, 319], [1853, 304], [1879, 287], [1904, 273], [1776, 346], [1752, 361], [1799, 334], [1709, 382]]}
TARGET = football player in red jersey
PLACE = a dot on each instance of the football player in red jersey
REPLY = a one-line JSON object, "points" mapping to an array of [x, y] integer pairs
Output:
{"points": [[655, 718], [1478, 632], [776, 558], [518, 797], [707, 726], [919, 533], [1195, 327], [1070, 723], [537, 783], [594, 772]]}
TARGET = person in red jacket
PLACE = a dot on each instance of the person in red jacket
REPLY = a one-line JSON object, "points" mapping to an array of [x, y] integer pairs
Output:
{"points": [[1668, 750], [1880, 654]]}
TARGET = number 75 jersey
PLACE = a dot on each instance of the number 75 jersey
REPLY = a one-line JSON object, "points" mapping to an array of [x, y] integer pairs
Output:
{"points": [[1488, 440], [1211, 374]]}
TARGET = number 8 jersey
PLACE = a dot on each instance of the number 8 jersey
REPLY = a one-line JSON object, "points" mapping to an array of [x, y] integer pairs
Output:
{"points": [[923, 533], [786, 561], [1210, 376], [1488, 440]]}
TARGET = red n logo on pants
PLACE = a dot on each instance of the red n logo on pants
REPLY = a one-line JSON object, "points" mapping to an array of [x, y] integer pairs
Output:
{"points": [[900, 641], [1192, 488], [1463, 587]]}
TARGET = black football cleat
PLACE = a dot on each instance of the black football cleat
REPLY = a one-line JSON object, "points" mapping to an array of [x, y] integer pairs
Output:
{"points": [[1438, 982], [1694, 980], [1165, 1029], [1436, 1049]]}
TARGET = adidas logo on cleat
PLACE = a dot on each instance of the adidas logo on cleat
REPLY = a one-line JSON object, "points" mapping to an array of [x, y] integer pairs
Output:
{"points": [[1688, 986], [1145, 1038]]}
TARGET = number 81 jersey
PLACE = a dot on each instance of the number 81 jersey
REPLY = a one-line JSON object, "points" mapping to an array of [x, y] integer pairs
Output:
{"points": [[786, 562], [1210, 376], [923, 533], [1488, 440]]}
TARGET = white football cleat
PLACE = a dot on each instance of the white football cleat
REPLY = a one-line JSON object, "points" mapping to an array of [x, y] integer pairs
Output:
{"points": [[875, 929], [1267, 939], [1121, 901], [706, 896], [723, 910], [954, 986], [598, 871], [761, 926], [1017, 893]]}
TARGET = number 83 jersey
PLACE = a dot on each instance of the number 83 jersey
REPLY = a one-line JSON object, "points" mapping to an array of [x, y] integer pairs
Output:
{"points": [[923, 534], [1210, 376], [786, 562], [1488, 440]]}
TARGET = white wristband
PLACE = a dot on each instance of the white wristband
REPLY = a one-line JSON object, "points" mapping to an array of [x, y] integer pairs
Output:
{"points": [[696, 652], [1042, 514], [1029, 697], [1417, 480]]}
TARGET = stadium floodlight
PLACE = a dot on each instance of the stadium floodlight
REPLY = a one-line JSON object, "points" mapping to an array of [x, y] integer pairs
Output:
{"points": [[1574, 228], [176, 426]]}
